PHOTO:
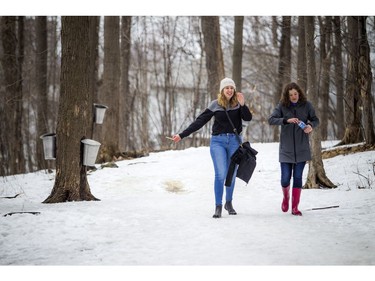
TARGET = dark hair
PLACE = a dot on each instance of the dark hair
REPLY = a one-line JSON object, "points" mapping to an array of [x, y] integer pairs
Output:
{"points": [[285, 101]]}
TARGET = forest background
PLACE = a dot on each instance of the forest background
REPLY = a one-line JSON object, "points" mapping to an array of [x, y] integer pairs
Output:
{"points": [[157, 73]]}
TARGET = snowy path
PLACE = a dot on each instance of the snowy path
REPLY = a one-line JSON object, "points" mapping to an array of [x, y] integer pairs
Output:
{"points": [[139, 222]]}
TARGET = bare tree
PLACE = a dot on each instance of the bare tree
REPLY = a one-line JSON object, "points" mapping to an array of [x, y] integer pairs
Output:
{"points": [[365, 81], [284, 67], [338, 77], [75, 112], [140, 113], [41, 87], [237, 51], [214, 54], [110, 92], [13, 160], [353, 102], [199, 99], [301, 55], [325, 24], [167, 95], [94, 61], [125, 97], [316, 176]]}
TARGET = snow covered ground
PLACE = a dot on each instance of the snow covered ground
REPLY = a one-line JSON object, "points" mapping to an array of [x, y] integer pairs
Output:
{"points": [[157, 210]]}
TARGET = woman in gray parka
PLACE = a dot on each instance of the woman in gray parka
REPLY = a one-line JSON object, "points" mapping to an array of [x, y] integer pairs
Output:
{"points": [[297, 118]]}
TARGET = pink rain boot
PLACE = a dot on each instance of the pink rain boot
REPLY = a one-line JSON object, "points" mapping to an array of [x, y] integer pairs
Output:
{"points": [[296, 194], [285, 204]]}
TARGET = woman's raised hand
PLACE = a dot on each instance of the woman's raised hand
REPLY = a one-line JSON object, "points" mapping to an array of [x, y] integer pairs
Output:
{"points": [[240, 98]]}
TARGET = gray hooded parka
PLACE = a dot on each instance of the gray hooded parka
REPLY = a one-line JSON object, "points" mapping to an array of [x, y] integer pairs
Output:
{"points": [[294, 142]]}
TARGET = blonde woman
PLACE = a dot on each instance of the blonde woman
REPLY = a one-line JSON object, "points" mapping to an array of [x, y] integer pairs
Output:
{"points": [[223, 140]]}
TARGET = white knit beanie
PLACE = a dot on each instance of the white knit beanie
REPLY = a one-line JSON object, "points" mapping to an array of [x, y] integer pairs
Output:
{"points": [[226, 82]]}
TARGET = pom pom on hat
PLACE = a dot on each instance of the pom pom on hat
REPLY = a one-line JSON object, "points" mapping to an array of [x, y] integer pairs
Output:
{"points": [[227, 82]]}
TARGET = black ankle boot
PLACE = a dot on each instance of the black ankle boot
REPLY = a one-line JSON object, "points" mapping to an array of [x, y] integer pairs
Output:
{"points": [[218, 211], [228, 206]]}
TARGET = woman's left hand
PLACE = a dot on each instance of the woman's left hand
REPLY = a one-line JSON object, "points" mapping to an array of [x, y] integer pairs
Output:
{"points": [[308, 129], [240, 98]]}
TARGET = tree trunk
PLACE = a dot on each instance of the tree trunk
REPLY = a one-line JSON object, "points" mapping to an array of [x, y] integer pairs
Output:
{"points": [[214, 54], [339, 78], [301, 55], [237, 52], [166, 93], [75, 112], [53, 69], [199, 99], [19, 120], [284, 68], [110, 93], [12, 60], [274, 29], [125, 97], [316, 175], [365, 81], [353, 102], [140, 122], [93, 75], [325, 58], [41, 88]]}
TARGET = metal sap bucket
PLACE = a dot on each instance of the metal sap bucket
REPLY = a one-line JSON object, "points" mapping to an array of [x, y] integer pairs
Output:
{"points": [[90, 151], [99, 113], [49, 146]]}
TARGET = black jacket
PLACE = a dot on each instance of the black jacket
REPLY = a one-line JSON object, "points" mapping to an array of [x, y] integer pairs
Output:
{"points": [[245, 158], [221, 124]]}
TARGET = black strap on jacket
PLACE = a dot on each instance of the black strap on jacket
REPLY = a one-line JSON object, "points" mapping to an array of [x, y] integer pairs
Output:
{"points": [[234, 128]]}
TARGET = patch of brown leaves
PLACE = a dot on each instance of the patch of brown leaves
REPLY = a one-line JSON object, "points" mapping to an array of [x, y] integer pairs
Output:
{"points": [[346, 150]]}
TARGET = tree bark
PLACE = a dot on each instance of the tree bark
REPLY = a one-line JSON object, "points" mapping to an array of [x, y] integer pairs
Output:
{"points": [[237, 52], [284, 68], [110, 92], [75, 112], [365, 81], [93, 74], [301, 55], [214, 54], [125, 97], [41, 87], [12, 60], [353, 102], [339, 78], [316, 175], [325, 65]]}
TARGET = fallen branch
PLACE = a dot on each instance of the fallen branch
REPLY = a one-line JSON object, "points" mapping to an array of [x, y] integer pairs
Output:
{"points": [[322, 208], [11, 197], [14, 213]]}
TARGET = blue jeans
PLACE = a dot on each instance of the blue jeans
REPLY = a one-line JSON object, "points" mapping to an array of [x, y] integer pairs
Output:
{"points": [[286, 174], [221, 148]]}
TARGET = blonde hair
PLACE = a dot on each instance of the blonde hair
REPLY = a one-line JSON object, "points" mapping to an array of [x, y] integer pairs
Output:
{"points": [[222, 100]]}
